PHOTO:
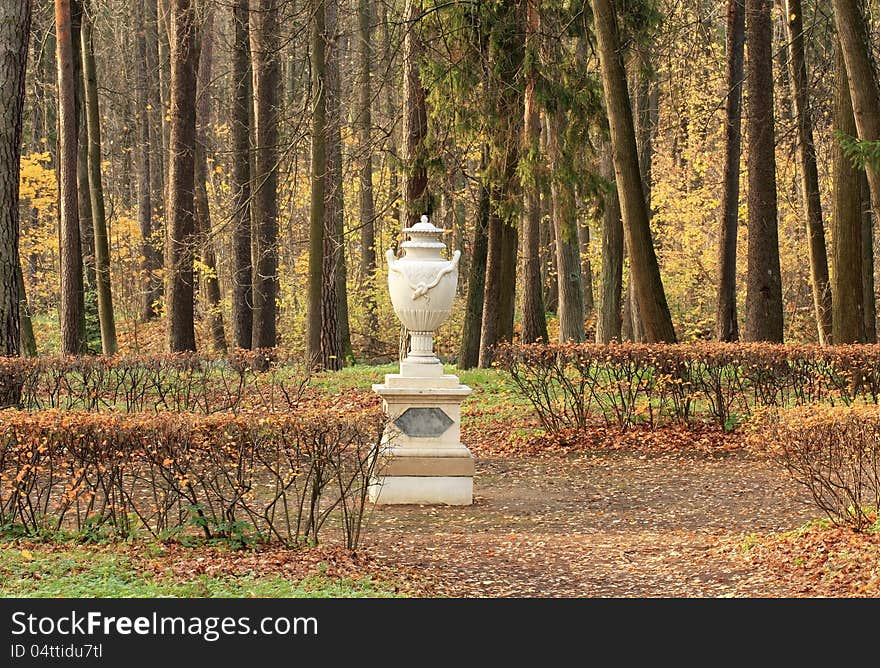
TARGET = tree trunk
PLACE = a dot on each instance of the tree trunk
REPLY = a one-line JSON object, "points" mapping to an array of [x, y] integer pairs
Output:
{"points": [[90, 328], [534, 319], [416, 199], [242, 268], [492, 287], [70, 248], [809, 173], [390, 113], [764, 283], [727, 327], [182, 138], [653, 309], [210, 279], [331, 357], [469, 352], [153, 242], [335, 232], [15, 18], [315, 349], [645, 118], [609, 322], [145, 170], [507, 298], [583, 230], [846, 215], [96, 190], [549, 274], [863, 89], [869, 303], [84, 202], [264, 47], [365, 146], [163, 74], [565, 221]]}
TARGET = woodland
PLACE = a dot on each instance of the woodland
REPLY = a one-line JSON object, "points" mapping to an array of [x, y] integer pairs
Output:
{"points": [[666, 306]]}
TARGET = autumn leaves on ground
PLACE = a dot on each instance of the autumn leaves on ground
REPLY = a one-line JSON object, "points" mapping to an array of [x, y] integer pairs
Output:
{"points": [[681, 512]]}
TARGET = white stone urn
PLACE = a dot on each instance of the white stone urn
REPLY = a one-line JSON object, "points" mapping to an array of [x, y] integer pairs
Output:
{"points": [[422, 286]]}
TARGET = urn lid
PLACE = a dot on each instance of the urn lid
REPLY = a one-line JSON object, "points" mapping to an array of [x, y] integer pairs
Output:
{"points": [[424, 235]]}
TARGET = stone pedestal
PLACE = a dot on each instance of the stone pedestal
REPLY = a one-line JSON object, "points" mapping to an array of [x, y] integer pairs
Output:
{"points": [[423, 459]]}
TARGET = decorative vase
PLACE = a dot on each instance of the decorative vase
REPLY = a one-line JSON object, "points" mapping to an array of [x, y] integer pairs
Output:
{"points": [[422, 285]]}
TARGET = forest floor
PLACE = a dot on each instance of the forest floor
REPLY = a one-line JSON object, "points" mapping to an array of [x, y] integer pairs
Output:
{"points": [[670, 517], [615, 523]]}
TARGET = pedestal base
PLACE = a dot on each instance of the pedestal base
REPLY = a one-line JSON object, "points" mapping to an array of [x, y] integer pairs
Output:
{"points": [[449, 490], [423, 460]]}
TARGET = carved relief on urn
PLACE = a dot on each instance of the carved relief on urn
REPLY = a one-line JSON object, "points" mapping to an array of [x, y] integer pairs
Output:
{"points": [[422, 285]]}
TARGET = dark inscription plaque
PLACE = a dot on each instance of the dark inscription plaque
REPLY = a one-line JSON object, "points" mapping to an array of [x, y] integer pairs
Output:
{"points": [[423, 422]]}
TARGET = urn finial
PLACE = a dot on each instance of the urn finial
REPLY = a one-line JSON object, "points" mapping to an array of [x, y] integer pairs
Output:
{"points": [[422, 285]]}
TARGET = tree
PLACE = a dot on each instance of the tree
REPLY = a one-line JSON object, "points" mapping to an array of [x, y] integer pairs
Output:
{"points": [[764, 283], [869, 304], [492, 282], [416, 198], [84, 200], [809, 173], [181, 177], [534, 320], [210, 279], [96, 190], [584, 241], [565, 221], [242, 268], [155, 116], [649, 291], [149, 257], [608, 323], [15, 18], [846, 216], [503, 105], [71, 311], [264, 48], [469, 350], [862, 83], [323, 337], [727, 327], [645, 94], [367, 209], [334, 238]]}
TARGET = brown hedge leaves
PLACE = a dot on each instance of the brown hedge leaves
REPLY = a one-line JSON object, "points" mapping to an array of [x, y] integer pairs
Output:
{"points": [[571, 386], [248, 477]]}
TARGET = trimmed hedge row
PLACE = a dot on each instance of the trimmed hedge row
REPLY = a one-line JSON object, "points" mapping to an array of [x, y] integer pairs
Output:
{"points": [[571, 386], [834, 453], [246, 477], [268, 380]]}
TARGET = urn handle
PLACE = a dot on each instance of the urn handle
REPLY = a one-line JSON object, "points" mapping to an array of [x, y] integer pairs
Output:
{"points": [[422, 288]]}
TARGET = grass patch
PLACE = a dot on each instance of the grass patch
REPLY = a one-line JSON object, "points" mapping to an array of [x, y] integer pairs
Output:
{"points": [[495, 395], [107, 572]]}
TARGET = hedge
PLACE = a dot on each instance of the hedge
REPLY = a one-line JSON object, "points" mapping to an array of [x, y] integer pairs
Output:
{"points": [[267, 380], [572, 386], [833, 452], [246, 477]]}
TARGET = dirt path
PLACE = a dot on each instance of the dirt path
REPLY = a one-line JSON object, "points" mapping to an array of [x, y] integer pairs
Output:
{"points": [[609, 524]]}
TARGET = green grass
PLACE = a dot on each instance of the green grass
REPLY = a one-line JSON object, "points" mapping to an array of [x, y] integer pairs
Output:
{"points": [[108, 573], [494, 391]]}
